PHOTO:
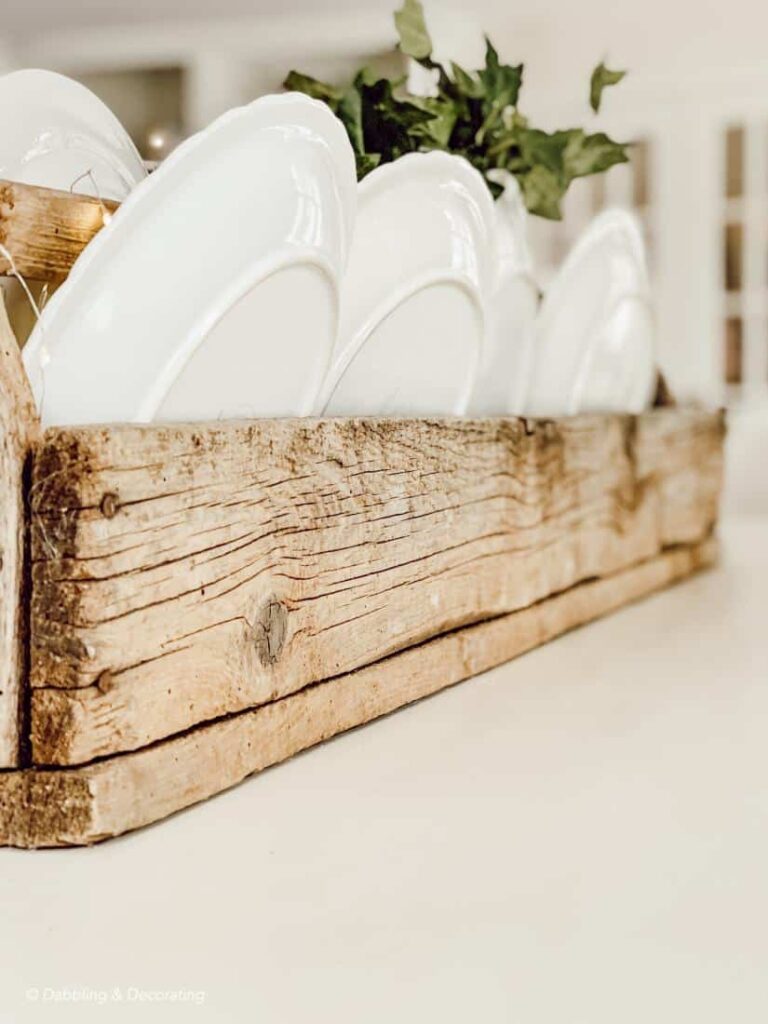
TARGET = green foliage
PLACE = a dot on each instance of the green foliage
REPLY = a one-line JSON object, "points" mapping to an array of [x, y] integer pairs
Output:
{"points": [[473, 114], [297, 82], [414, 38], [602, 77]]}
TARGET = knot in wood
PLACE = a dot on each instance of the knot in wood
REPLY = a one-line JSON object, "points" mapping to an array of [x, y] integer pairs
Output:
{"points": [[110, 505], [269, 631], [105, 681]]}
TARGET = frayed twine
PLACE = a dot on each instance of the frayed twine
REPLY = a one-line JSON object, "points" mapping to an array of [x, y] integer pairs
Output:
{"points": [[37, 521]]}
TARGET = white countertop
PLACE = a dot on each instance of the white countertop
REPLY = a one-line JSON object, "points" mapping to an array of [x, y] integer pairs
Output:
{"points": [[578, 836]]}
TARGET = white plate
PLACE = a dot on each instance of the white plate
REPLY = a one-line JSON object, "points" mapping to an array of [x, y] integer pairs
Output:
{"points": [[504, 374], [53, 131], [214, 290], [420, 274], [619, 371], [594, 349]]}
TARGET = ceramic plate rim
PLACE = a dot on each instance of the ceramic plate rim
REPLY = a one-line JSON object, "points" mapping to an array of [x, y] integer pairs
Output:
{"points": [[345, 357], [341, 153], [433, 164], [92, 251], [97, 109], [427, 164], [608, 220]]}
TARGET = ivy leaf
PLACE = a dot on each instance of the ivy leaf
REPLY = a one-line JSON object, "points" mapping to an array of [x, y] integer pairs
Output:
{"points": [[542, 192], [501, 82], [500, 85], [466, 84], [592, 154], [546, 149], [297, 82], [367, 76], [414, 38], [601, 78], [350, 112], [436, 133]]}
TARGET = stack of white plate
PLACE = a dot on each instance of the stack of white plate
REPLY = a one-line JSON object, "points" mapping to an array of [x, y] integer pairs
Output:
{"points": [[251, 276]]}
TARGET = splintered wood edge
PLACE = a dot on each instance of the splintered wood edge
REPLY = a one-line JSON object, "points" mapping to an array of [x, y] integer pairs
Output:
{"points": [[19, 431], [80, 806], [45, 230]]}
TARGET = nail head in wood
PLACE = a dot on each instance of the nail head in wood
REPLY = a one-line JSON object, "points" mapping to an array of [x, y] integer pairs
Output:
{"points": [[110, 505], [105, 681]]}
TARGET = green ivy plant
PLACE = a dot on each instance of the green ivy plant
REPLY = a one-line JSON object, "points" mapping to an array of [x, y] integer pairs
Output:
{"points": [[474, 114]]}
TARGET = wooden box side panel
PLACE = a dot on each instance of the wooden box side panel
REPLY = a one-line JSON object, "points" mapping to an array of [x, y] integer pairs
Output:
{"points": [[185, 573], [682, 451], [53, 807], [18, 430]]}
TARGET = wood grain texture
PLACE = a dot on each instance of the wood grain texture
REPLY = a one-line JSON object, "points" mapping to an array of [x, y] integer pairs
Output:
{"points": [[182, 573], [66, 806], [45, 230], [19, 429]]}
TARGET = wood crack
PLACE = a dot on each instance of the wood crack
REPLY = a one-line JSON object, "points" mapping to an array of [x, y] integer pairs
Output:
{"points": [[372, 538], [393, 658]]}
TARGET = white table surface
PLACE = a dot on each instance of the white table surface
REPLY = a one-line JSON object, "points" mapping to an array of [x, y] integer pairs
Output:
{"points": [[579, 836]]}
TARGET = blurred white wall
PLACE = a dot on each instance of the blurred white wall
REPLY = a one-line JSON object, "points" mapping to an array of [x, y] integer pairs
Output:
{"points": [[661, 41]]}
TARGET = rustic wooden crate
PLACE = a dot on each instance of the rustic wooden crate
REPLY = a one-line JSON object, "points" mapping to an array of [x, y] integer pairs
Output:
{"points": [[184, 605]]}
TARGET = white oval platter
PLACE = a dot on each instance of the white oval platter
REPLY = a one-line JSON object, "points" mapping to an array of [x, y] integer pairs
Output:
{"points": [[594, 348], [57, 134], [420, 275], [214, 290]]}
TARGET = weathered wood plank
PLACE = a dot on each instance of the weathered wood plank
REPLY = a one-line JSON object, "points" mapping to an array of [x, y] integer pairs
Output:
{"points": [[45, 230], [682, 450], [19, 428], [184, 573], [68, 806]]}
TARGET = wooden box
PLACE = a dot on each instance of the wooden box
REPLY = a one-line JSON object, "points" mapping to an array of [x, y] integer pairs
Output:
{"points": [[184, 605]]}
